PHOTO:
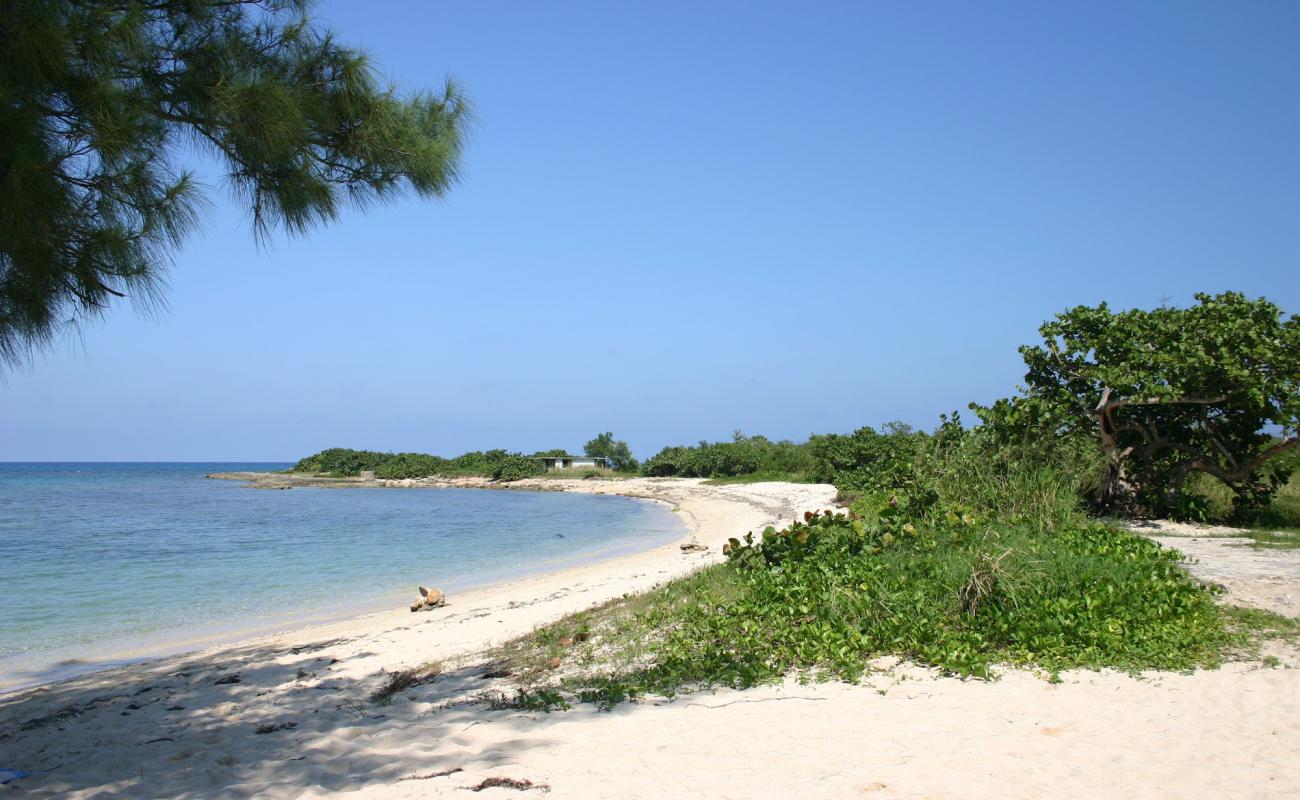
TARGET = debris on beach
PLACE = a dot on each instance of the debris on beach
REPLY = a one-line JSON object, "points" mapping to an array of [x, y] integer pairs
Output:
{"points": [[509, 783], [429, 598], [694, 547]]}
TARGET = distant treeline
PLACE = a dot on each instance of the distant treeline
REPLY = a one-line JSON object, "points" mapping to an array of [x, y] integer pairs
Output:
{"points": [[498, 465], [850, 461], [855, 461]]}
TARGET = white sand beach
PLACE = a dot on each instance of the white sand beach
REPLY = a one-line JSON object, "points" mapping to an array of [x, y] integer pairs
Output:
{"points": [[288, 715]]}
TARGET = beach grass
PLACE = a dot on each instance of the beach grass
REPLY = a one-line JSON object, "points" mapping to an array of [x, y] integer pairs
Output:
{"points": [[1282, 514]]}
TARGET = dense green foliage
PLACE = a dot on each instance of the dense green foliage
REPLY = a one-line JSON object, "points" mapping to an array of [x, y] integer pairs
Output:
{"points": [[104, 103], [1167, 394], [494, 464], [866, 460], [515, 467], [967, 569], [618, 452], [743, 455], [863, 460]]}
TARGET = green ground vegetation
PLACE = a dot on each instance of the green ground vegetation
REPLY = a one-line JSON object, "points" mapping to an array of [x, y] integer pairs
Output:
{"points": [[985, 559]]}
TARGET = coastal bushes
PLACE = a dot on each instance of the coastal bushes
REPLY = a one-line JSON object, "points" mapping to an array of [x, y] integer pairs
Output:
{"points": [[983, 557], [495, 464], [342, 461], [755, 456], [515, 467], [958, 587], [863, 460], [867, 460]]}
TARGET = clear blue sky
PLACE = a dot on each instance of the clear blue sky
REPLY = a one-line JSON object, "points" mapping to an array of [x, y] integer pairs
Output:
{"points": [[679, 219]]}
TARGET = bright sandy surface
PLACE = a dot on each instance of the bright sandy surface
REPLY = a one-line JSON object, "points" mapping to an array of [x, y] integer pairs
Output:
{"points": [[170, 729]]}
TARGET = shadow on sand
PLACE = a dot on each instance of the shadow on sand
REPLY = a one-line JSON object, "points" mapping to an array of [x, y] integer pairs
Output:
{"points": [[264, 721]]}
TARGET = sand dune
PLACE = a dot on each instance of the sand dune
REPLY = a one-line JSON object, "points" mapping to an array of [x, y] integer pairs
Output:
{"points": [[290, 716]]}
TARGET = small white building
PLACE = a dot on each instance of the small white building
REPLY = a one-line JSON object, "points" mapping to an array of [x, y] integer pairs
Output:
{"points": [[556, 463]]}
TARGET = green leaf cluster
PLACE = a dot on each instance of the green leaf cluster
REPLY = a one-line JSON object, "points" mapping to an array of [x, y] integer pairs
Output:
{"points": [[867, 460], [107, 106], [1212, 389]]}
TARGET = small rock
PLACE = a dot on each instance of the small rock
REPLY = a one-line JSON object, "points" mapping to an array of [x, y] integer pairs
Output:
{"points": [[553, 663], [228, 679]]}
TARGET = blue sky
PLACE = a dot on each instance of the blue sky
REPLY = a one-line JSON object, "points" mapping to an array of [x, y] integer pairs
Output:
{"points": [[680, 219]]}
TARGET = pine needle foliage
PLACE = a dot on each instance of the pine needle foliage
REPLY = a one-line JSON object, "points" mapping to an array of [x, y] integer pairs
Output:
{"points": [[105, 103]]}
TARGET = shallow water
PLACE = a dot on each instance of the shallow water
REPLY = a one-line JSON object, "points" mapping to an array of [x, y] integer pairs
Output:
{"points": [[101, 558]]}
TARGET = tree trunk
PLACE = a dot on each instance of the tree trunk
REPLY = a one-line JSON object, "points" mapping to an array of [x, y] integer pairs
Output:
{"points": [[1116, 491]]}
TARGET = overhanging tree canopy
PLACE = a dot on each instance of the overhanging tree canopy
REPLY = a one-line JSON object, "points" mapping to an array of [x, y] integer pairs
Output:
{"points": [[100, 101]]}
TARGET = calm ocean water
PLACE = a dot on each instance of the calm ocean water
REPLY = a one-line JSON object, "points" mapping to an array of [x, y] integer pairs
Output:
{"points": [[99, 558]]}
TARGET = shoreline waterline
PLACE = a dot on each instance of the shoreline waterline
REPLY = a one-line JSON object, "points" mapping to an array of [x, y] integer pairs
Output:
{"points": [[166, 644], [61, 665]]}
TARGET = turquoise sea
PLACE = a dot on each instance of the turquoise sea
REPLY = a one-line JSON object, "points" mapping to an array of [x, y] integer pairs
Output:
{"points": [[102, 559]]}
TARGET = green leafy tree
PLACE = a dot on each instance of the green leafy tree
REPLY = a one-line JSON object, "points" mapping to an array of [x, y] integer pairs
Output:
{"points": [[867, 460], [618, 453], [104, 102], [1214, 388]]}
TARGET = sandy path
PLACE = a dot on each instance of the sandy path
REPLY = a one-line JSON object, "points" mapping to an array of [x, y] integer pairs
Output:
{"points": [[1265, 578], [905, 733]]}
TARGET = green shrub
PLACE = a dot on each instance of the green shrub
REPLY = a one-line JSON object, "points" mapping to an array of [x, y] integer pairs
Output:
{"points": [[956, 590], [866, 460], [516, 467], [744, 455], [411, 465], [341, 461]]}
